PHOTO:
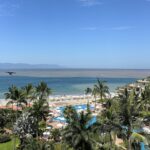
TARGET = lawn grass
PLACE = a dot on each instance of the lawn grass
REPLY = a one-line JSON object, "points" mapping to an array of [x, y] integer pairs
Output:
{"points": [[9, 145]]}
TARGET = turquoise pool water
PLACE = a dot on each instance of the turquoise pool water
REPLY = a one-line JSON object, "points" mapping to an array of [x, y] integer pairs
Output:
{"points": [[93, 120], [77, 107]]}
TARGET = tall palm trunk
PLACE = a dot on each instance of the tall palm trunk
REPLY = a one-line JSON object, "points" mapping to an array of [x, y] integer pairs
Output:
{"points": [[14, 140], [14, 143], [101, 96], [95, 102], [17, 112], [128, 137], [37, 132], [111, 141]]}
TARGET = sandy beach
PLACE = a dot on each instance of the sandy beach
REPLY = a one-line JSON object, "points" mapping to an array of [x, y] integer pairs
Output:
{"points": [[65, 100], [60, 100], [3, 102]]}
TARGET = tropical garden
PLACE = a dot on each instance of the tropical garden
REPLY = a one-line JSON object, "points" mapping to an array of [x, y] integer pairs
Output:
{"points": [[118, 126]]}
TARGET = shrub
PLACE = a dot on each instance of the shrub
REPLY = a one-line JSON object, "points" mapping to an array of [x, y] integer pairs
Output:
{"points": [[4, 138]]}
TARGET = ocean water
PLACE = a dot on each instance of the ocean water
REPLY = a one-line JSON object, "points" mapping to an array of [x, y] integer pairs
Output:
{"points": [[62, 85]]}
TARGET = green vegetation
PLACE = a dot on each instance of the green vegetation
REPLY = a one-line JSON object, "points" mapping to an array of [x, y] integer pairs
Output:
{"points": [[121, 119], [77, 134], [100, 90], [9, 145], [4, 138]]}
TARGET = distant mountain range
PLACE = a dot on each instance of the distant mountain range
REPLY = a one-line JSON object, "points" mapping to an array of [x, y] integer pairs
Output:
{"points": [[28, 66]]}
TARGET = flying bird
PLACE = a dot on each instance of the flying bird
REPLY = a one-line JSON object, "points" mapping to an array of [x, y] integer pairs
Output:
{"points": [[11, 73]]}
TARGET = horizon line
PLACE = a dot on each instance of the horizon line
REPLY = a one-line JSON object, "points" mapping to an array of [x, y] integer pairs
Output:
{"points": [[76, 68]]}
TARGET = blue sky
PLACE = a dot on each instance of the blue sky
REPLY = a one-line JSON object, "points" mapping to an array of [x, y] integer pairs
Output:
{"points": [[76, 33]]}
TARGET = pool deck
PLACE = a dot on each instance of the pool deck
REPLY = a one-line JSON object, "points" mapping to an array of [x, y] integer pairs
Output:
{"points": [[57, 111]]}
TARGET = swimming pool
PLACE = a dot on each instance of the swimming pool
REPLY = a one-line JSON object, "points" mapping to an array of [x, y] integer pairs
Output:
{"points": [[63, 120], [60, 119], [78, 108]]}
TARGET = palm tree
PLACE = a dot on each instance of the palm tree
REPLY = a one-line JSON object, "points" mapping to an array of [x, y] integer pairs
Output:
{"points": [[3, 118], [88, 91], [55, 135], [145, 101], [111, 125], [70, 114], [94, 93], [128, 114], [43, 91], [20, 98], [101, 88], [77, 133], [10, 95], [15, 95], [40, 110], [29, 92]]}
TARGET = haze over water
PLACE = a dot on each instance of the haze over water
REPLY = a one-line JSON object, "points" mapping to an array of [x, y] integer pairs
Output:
{"points": [[121, 73]]}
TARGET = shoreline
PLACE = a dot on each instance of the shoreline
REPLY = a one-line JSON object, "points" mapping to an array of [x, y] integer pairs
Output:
{"points": [[64, 100]]}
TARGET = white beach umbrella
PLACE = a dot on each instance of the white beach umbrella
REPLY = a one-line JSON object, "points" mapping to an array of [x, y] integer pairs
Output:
{"points": [[146, 130], [48, 128], [46, 133], [51, 113]]}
